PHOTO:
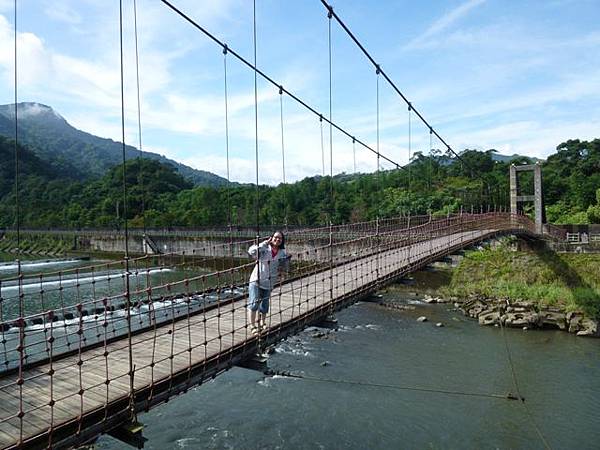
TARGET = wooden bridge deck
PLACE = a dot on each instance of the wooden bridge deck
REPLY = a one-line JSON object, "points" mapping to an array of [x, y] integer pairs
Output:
{"points": [[170, 358]]}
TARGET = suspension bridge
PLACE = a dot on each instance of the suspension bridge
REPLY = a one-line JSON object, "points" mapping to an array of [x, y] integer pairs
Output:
{"points": [[88, 365], [85, 349]]}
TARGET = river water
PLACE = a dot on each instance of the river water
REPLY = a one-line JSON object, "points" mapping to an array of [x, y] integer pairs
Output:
{"points": [[384, 380], [377, 357]]}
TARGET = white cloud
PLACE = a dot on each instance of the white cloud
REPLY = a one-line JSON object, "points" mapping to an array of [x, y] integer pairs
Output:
{"points": [[443, 23], [531, 138]]}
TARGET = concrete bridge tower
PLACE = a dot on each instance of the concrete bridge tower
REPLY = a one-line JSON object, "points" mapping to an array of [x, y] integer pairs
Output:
{"points": [[536, 198]]}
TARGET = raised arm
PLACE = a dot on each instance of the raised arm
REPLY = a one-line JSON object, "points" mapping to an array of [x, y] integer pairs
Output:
{"points": [[259, 249]]}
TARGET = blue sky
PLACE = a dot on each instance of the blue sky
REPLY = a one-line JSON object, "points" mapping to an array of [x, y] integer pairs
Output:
{"points": [[517, 76]]}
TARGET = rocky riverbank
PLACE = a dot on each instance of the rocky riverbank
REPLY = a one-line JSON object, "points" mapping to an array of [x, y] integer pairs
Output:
{"points": [[521, 314], [515, 284]]}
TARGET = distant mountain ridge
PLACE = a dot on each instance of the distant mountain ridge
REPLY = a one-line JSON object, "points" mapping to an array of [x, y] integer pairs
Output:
{"points": [[82, 154], [509, 158]]}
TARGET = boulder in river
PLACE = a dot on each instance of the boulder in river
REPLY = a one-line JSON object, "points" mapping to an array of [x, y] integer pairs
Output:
{"points": [[422, 319], [553, 319], [588, 327], [521, 319], [574, 319], [429, 299], [489, 318]]}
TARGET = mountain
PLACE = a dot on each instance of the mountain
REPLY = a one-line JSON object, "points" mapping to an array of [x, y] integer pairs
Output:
{"points": [[509, 158], [29, 165], [82, 154]]}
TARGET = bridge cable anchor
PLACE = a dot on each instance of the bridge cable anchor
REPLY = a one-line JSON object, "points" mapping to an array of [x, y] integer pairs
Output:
{"points": [[130, 433]]}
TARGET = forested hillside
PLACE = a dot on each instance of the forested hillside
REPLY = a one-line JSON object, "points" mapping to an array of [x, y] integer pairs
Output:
{"points": [[162, 197], [52, 138]]}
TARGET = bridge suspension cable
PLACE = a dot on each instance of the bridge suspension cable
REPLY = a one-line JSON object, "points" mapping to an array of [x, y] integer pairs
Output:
{"points": [[518, 391], [387, 78], [507, 396], [274, 83], [331, 12], [125, 224]]}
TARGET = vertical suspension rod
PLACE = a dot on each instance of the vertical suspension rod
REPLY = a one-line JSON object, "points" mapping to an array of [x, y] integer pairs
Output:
{"points": [[139, 116], [257, 199], [388, 79], [331, 198], [17, 206], [126, 229], [226, 95], [21, 346], [285, 200], [379, 186], [273, 82]]}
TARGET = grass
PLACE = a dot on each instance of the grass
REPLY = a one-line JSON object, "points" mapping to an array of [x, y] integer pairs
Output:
{"points": [[569, 281]]}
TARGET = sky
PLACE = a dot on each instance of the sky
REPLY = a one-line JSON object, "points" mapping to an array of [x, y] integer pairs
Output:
{"points": [[515, 76]]}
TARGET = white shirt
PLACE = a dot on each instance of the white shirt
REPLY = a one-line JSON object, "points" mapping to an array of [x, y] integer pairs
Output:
{"points": [[266, 271]]}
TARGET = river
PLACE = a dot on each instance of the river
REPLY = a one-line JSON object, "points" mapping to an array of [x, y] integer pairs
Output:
{"points": [[391, 353], [385, 380]]}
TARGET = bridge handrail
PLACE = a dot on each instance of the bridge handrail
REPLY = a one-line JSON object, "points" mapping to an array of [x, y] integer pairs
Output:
{"points": [[94, 303], [312, 260]]}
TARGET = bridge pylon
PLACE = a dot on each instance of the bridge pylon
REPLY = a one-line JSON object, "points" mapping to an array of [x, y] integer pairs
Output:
{"points": [[536, 198]]}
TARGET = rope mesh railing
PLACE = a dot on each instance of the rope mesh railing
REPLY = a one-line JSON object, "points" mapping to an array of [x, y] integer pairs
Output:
{"points": [[67, 330]]}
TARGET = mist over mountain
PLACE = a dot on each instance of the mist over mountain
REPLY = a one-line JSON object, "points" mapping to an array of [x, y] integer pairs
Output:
{"points": [[82, 155]]}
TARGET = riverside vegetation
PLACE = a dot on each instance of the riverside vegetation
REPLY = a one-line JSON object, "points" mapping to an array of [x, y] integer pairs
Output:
{"points": [[533, 287], [53, 193]]}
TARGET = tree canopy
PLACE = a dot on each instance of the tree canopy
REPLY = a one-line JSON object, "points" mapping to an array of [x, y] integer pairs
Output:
{"points": [[159, 196]]}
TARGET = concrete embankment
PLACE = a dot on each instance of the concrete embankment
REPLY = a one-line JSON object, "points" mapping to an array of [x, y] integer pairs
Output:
{"points": [[189, 243]]}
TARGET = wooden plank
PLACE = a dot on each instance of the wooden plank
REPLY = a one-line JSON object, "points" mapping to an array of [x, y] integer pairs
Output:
{"points": [[9, 432]]}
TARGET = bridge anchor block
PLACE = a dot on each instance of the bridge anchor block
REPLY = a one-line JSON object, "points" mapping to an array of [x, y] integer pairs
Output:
{"points": [[330, 322], [130, 433], [256, 362]]}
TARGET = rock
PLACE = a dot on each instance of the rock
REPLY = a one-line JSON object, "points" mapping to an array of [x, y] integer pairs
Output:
{"points": [[552, 319], [439, 324], [590, 328], [521, 304], [489, 318], [476, 309], [422, 319], [428, 299], [574, 319], [393, 305], [525, 328], [325, 363], [521, 319]]}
